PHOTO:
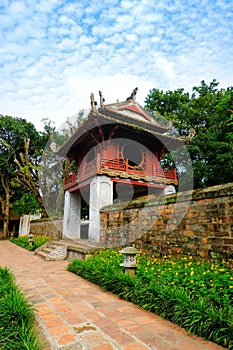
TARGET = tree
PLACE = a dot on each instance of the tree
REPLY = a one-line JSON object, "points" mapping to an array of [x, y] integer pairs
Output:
{"points": [[53, 168], [170, 104], [27, 173], [13, 131], [209, 111], [43, 175], [30, 169]]}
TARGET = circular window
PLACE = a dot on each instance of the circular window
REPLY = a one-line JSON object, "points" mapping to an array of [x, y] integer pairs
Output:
{"points": [[133, 153]]}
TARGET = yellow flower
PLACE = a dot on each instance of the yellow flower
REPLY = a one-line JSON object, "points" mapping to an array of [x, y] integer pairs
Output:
{"points": [[221, 270], [172, 282], [192, 273], [192, 281], [230, 286]]}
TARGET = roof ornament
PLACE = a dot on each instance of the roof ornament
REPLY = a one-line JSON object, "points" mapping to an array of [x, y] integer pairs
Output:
{"points": [[133, 95], [93, 103], [102, 100]]}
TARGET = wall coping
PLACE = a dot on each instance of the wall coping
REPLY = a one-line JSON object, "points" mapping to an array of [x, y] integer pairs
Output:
{"points": [[224, 190], [46, 220]]}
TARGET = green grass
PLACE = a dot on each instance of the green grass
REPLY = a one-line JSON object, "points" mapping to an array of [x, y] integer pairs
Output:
{"points": [[38, 241], [16, 317], [197, 295]]}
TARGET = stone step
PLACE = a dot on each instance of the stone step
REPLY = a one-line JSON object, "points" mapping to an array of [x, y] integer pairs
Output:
{"points": [[55, 243], [46, 250], [52, 250], [41, 254], [66, 249]]}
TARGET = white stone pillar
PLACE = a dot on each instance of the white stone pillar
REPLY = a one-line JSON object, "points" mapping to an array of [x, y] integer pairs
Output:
{"points": [[24, 224], [72, 213], [101, 194]]}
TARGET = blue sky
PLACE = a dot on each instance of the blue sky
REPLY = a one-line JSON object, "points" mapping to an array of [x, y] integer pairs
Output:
{"points": [[54, 53]]}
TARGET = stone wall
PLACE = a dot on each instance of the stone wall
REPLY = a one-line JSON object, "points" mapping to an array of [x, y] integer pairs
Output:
{"points": [[47, 227], [197, 222]]}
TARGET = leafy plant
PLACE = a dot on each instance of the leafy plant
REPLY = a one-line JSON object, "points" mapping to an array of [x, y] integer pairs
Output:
{"points": [[38, 241], [16, 317]]}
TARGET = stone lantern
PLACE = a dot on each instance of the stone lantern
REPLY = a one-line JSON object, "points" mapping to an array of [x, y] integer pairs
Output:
{"points": [[30, 239], [130, 262]]}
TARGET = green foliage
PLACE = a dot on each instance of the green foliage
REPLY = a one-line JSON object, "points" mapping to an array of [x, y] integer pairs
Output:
{"points": [[27, 204], [16, 317], [169, 104], [194, 294], [38, 241], [12, 133], [209, 111]]}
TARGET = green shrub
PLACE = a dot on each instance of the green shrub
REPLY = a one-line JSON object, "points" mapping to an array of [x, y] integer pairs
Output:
{"points": [[16, 317], [38, 241], [196, 295]]}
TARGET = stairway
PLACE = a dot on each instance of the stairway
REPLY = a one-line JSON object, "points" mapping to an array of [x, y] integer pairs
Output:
{"points": [[52, 250], [66, 249]]}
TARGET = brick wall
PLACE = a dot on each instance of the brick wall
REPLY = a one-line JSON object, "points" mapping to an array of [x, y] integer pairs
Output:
{"points": [[198, 223], [50, 228]]}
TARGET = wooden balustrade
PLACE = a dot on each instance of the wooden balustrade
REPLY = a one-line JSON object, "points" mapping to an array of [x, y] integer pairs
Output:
{"points": [[91, 168]]}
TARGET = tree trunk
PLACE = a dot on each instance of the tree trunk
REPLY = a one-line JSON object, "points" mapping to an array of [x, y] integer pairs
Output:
{"points": [[6, 216], [6, 204]]}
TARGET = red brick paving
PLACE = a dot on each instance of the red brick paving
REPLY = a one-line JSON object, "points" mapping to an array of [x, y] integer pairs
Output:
{"points": [[105, 346], [78, 315]]}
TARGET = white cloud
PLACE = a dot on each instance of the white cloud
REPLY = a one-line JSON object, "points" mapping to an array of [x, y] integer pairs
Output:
{"points": [[53, 53], [165, 66]]}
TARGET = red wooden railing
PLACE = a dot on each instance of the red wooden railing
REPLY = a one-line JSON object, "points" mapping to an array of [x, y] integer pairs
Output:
{"points": [[120, 165], [86, 170], [70, 179]]}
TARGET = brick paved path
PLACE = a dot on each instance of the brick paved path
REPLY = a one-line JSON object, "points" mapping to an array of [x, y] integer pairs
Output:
{"points": [[76, 314]]}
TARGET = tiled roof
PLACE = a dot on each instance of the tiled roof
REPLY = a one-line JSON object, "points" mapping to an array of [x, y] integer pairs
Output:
{"points": [[126, 113]]}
